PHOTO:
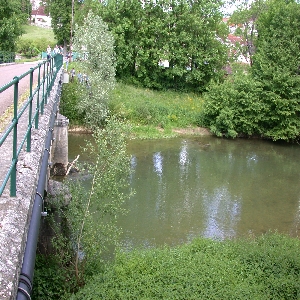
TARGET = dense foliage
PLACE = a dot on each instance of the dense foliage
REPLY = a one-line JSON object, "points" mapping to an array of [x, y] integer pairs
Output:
{"points": [[266, 100], [264, 268], [70, 99], [233, 108], [166, 44], [276, 67], [13, 14], [52, 280], [62, 19]]}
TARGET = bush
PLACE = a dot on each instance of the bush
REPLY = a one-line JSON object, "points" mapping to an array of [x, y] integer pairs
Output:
{"points": [[234, 108], [50, 280], [243, 106], [264, 268], [31, 48], [69, 101]]}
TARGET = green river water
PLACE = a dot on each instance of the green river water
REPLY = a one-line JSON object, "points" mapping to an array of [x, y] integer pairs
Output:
{"points": [[206, 186]]}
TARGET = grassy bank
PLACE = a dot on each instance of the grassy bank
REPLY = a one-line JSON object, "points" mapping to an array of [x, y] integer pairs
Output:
{"points": [[152, 114], [264, 268], [155, 113], [35, 32]]}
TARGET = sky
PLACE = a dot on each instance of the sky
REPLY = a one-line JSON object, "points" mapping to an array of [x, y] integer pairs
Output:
{"points": [[230, 8]]}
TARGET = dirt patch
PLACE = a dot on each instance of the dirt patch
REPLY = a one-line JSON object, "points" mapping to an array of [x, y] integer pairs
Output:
{"points": [[193, 131], [79, 129]]}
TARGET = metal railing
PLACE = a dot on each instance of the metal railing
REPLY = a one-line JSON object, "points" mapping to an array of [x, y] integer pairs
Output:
{"points": [[47, 72], [7, 57]]}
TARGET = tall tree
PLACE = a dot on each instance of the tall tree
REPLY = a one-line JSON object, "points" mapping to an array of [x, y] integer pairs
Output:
{"points": [[61, 14], [13, 14], [265, 100], [62, 18], [94, 44], [166, 43], [276, 66]]}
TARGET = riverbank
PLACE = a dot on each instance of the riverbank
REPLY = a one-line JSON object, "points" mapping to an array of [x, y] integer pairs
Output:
{"points": [[159, 132]]}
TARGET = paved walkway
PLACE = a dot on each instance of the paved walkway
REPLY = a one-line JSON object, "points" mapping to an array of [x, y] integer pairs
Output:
{"points": [[7, 74]]}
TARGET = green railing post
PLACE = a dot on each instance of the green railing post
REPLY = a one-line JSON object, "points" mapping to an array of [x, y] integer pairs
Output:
{"points": [[38, 99], [47, 84], [43, 99], [13, 178], [30, 111]]}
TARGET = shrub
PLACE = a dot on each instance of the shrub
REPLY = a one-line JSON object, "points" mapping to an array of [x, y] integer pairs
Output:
{"points": [[69, 103], [50, 280], [264, 268], [31, 48], [234, 107]]}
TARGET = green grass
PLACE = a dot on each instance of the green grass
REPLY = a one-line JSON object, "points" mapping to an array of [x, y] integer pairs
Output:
{"points": [[34, 32], [264, 268], [151, 114], [155, 113]]}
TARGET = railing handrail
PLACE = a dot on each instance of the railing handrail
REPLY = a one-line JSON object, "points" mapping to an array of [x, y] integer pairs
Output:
{"points": [[41, 92]]}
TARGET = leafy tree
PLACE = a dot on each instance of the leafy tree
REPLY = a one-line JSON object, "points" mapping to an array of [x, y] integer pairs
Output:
{"points": [[184, 33], [233, 108], [13, 14], [276, 67], [26, 8], [266, 101], [92, 214], [62, 13], [94, 44]]}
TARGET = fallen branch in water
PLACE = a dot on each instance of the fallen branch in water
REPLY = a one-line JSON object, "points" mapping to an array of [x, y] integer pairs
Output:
{"points": [[71, 165]]}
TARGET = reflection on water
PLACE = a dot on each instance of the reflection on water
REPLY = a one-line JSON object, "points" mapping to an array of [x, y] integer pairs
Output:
{"points": [[205, 186], [222, 213]]}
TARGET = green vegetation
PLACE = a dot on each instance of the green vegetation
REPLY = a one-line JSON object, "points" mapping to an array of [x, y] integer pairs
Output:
{"points": [[151, 114], [155, 113], [69, 102], [147, 34], [262, 100], [79, 239], [13, 15], [32, 32], [99, 69], [265, 101], [34, 41], [261, 268], [264, 268], [62, 20]]}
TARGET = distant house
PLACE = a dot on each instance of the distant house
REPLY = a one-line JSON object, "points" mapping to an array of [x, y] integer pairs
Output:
{"points": [[236, 44], [39, 17]]}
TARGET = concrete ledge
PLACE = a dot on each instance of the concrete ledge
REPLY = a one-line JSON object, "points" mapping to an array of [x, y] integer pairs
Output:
{"points": [[15, 213]]}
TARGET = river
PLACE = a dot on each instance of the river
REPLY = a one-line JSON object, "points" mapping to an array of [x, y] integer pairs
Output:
{"points": [[206, 186]]}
